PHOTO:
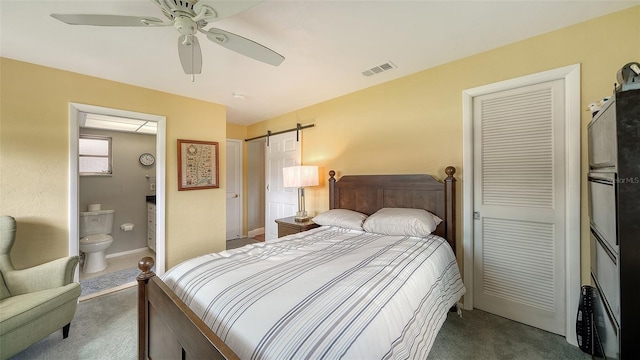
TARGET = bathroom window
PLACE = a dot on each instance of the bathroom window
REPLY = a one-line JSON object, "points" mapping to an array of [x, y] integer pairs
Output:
{"points": [[94, 155]]}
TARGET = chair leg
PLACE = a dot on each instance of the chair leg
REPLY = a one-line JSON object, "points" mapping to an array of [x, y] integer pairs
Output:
{"points": [[65, 330]]}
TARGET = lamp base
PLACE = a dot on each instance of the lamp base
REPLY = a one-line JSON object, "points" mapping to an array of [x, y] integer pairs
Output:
{"points": [[301, 216]]}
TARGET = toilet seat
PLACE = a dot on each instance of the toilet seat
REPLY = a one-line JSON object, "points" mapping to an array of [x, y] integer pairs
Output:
{"points": [[95, 239]]}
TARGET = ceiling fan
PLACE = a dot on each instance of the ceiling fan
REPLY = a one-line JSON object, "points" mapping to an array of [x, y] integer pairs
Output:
{"points": [[189, 17]]}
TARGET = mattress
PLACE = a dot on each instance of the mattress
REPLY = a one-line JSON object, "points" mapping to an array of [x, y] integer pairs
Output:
{"points": [[326, 293]]}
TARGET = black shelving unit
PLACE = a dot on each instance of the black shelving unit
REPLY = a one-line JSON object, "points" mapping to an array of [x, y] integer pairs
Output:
{"points": [[614, 210]]}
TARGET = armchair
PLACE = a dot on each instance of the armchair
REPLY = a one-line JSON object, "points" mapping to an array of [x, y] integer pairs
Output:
{"points": [[36, 301]]}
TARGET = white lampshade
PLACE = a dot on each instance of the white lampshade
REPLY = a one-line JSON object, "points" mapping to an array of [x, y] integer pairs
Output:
{"points": [[300, 176]]}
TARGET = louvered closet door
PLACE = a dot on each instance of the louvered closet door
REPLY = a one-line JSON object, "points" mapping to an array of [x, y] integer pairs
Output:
{"points": [[519, 205]]}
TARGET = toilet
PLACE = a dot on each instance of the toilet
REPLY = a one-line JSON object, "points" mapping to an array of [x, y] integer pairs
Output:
{"points": [[95, 227]]}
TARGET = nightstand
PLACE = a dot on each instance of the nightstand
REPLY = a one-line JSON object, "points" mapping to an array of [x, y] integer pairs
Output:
{"points": [[288, 226]]}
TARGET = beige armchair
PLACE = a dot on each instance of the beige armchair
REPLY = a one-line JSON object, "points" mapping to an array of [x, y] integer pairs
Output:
{"points": [[34, 302]]}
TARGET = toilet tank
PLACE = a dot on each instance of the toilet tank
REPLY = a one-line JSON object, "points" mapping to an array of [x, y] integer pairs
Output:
{"points": [[96, 222]]}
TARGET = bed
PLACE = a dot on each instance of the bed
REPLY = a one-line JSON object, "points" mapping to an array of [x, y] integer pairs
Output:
{"points": [[336, 291]]}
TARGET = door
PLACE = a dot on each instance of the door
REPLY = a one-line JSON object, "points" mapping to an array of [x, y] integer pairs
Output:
{"points": [[255, 187], [234, 189], [519, 204], [282, 150]]}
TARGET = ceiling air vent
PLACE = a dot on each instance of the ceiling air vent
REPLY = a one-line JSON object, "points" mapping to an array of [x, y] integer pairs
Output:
{"points": [[379, 69]]}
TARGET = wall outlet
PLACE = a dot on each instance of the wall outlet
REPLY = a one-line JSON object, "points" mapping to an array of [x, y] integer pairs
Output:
{"points": [[152, 186]]}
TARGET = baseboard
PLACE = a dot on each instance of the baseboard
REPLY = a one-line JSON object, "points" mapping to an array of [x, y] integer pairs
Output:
{"points": [[255, 232], [127, 252]]}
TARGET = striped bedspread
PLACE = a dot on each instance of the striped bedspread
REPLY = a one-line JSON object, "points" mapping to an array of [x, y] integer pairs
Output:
{"points": [[327, 293]]}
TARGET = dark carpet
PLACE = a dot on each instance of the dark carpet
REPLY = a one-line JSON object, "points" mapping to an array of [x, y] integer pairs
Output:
{"points": [[480, 335]]}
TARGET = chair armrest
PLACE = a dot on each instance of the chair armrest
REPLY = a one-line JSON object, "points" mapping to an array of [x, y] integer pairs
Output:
{"points": [[49, 275]]}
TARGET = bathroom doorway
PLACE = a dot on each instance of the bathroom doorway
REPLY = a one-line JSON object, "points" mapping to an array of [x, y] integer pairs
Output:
{"points": [[134, 189]]}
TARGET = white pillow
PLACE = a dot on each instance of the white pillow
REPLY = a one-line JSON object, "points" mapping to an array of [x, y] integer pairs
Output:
{"points": [[402, 221], [344, 218]]}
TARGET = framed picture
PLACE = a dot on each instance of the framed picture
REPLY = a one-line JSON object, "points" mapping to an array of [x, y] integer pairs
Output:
{"points": [[197, 165]]}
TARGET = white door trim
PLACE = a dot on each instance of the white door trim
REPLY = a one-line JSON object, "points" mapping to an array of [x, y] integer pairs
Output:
{"points": [[74, 125], [571, 76]]}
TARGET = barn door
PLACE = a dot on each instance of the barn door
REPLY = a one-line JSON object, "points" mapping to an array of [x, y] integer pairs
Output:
{"points": [[282, 150]]}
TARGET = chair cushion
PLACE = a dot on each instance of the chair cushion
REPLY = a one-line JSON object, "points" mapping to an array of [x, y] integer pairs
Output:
{"points": [[21, 309]]}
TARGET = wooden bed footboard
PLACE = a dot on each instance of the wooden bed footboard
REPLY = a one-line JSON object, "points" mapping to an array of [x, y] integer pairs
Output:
{"points": [[167, 328]]}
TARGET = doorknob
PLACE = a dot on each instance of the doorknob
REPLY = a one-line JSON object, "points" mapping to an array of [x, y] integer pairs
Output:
{"points": [[476, 215]]}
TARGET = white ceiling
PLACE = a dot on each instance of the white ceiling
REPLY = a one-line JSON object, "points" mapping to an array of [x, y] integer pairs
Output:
{"points": [[327, 44]]}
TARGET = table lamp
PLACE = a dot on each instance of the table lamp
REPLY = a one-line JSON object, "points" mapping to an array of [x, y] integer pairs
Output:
{"points": [[300, 177]]}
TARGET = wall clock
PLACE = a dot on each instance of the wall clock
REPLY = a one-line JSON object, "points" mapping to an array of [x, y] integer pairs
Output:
{"points": [[147, 159]]}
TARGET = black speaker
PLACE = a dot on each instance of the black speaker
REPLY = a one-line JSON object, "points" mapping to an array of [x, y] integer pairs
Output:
{"points": [[585, 323]]}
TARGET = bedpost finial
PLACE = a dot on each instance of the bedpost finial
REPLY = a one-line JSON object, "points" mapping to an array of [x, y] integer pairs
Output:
{"points": [[145, 264], [332, 173], [450, 170]]}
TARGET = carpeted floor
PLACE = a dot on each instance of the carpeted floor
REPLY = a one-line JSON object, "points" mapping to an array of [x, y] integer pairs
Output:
{"points": [[104, 328], [479, 335], [236, 243]]}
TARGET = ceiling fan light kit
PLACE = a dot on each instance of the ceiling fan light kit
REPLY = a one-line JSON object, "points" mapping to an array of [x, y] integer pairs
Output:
{"points": [[188, 18]]}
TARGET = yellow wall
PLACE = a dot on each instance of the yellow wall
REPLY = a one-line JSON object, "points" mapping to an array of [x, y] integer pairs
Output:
{"points": [[235, 131], [414, 124], [34, 159]]}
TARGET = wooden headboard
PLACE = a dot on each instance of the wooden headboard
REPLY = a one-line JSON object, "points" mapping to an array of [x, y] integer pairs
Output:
{"points": [[370, 193]]}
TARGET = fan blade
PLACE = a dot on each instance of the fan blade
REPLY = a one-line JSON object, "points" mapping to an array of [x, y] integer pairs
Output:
{"points": [[107, 20], [190, 54], [244, 46], [223, 9]]}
